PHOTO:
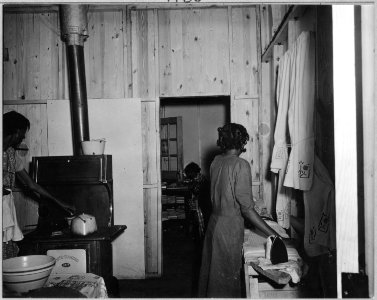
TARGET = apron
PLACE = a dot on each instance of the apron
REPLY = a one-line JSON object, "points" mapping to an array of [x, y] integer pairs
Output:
{"points": [[11, 229]]}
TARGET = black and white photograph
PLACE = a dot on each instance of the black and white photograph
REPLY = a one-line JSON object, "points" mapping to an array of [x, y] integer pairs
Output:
{"points": [[189, 149]]}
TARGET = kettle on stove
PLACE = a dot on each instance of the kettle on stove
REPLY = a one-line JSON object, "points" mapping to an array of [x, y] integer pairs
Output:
{"points": [[83, 224]]}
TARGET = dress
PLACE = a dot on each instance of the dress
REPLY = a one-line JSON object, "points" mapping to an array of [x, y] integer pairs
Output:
{"points": [[11, 230], [231, 194]]}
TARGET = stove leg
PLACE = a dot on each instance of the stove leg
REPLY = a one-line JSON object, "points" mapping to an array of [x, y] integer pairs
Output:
{"points": [[112, 287]]}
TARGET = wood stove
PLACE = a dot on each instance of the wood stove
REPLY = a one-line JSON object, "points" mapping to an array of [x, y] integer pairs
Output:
{"points": [[86, 182]]}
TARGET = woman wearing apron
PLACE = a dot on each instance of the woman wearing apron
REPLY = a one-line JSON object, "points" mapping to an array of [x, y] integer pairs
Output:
{"points": [[15, 127]]}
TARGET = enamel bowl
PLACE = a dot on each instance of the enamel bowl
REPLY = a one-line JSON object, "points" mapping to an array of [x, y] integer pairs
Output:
{"points": [[24, 273]]}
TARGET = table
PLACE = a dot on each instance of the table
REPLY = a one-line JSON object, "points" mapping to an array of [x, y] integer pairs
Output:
{"points": [[261, 283]]}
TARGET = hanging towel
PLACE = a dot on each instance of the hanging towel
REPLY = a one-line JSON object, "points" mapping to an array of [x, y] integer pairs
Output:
{"points": [[299, 173], [280, 151], [320, 213]]}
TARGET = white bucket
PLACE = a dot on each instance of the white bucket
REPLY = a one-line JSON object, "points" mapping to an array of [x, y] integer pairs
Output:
{"points": [[93, 147]]}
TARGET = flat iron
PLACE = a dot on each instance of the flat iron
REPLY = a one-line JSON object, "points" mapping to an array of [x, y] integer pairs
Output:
{"points": [[276, 251]]}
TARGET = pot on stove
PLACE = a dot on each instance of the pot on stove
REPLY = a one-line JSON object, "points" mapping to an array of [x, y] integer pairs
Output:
{"points": [[83, 224]]}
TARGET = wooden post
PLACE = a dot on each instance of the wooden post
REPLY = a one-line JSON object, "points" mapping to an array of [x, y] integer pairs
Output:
{"points": [[370, 137], [345, 142]]}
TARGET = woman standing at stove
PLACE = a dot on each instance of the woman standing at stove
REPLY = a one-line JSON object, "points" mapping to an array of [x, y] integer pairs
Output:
{"points": [[15, 127]]}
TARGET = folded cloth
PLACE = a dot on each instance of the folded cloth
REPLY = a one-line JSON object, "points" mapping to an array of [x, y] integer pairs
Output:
{"points": [[88, 284], [275, 226], [292, 267]]}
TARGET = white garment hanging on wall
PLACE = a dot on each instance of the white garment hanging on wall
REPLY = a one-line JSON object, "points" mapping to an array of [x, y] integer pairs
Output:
{"points": [[320, 235], [280, 150], [301, 114]]}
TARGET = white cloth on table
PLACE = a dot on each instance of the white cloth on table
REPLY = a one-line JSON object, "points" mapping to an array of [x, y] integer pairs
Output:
{"points": [[292, 267], [319, 204], [299, 173], [88, 284]]}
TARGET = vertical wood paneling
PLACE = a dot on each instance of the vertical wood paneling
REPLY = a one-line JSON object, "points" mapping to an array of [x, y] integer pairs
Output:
{"points": [[21, 64], [104, 55], [152, 180], [113, 56], [278, 12], [345, 142], [164, 46], [193, 52], [49, 46], [149, 138], [266, 24], [33, 44], [244, 60], [10, 67], [266, 113], [143, 53], [32, 56], [244, 71], [93, 51], [215, 51], [192, 55], [245, 112], [152, 234], [63, 92], [127, 53], [144, 84]]}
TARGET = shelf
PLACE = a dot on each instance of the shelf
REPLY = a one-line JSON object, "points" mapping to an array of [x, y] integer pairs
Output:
{"points": [[294, 13]]}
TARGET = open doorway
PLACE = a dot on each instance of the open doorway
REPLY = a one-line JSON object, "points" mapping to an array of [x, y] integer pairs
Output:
{"points": [[188, 134], [201, 116]]}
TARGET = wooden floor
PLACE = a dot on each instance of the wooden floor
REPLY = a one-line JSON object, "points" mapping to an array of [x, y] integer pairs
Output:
{"points": [[181, 263]]}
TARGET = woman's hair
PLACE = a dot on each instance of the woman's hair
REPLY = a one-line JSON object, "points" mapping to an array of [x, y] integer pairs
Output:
{"points": [[192, 168], [232, 136], [12, 121]]}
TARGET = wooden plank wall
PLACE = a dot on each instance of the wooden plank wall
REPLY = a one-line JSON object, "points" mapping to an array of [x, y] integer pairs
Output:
{"points": [[193, 52], [104, 55], [244, 72], [143, 54], [31, 74], [244, 53], [267, 111], [144, 62]]}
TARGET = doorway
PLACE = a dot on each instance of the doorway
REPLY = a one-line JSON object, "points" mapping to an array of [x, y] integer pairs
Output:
{"points": [[191, 122], [201, 116]]}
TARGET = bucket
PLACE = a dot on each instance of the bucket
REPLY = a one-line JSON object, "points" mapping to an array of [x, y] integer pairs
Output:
{"points": [[93, 147]]}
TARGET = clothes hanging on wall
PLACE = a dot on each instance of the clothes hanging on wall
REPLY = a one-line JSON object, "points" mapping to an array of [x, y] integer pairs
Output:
{"points": [[299, 173], [320, 235], [281, 138]]}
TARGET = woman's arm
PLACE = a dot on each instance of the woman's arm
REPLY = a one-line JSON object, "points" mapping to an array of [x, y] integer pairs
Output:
{"points": [[254, 218], [25, 178]]}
